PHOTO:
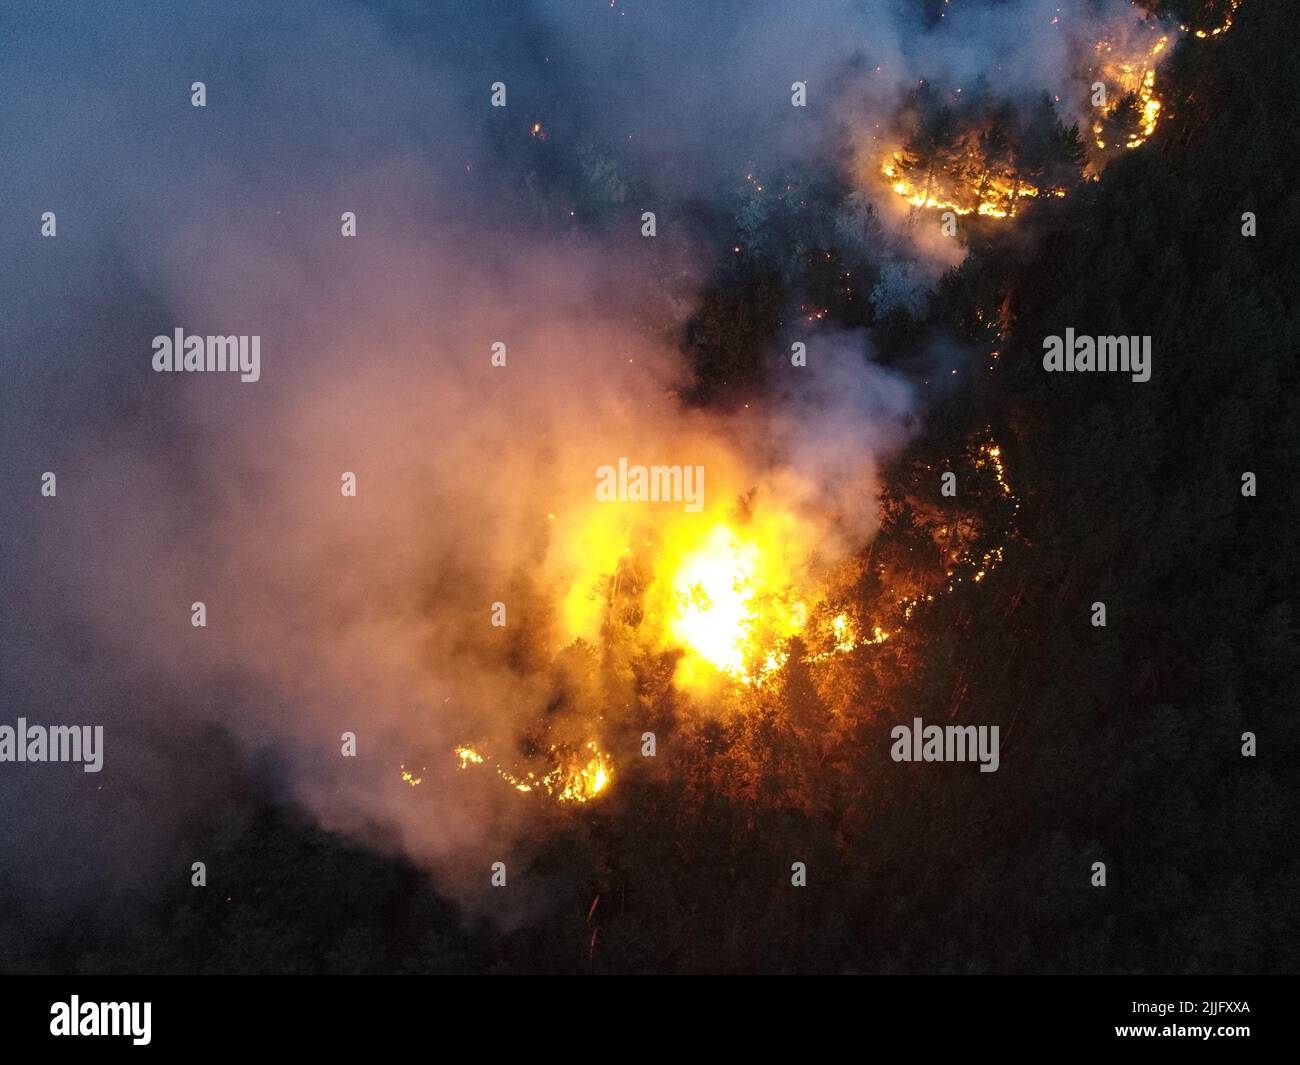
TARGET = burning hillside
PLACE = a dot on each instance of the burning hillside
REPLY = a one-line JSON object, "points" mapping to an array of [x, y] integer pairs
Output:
{"points": [[723, 599], [973, 172], [634, 450], [1125, 67], [1228, 9], [716, 594], [968, 151]]}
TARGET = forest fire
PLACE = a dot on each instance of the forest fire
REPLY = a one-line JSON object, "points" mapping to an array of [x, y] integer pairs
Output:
{"points": [[1130, 77], [717, 595], [577, 777], [715, 588], [1224, 26], [715, 600], [730, 608], [775, 605], [973, 155], [972, 187], [574, 776]]}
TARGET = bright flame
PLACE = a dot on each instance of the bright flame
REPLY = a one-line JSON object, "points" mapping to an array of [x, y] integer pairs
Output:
{"points": [[714, 587], [1136, 74], [468, 756], [721, 588], [730, 602], [575, 778], [993, 195], [725, 593], [845, 634]]}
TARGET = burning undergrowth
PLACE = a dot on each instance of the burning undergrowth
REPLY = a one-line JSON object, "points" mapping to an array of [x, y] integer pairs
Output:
{"points": [[709, 602], [705, 617], [973, 149]]}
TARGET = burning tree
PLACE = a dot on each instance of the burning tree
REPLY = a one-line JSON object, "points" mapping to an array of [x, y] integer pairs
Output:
{"points": [[1126, 66], [982, 155]]}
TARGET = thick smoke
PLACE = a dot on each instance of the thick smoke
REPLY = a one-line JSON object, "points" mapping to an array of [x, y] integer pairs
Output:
{"points": [[370, 615]]}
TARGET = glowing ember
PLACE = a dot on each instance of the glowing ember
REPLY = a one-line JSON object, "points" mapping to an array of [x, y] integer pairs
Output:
{"points": [[579, 778], [968, 564], [991, 455], [468, 756], [1224, 26], [575, 776], [844, 631]]}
